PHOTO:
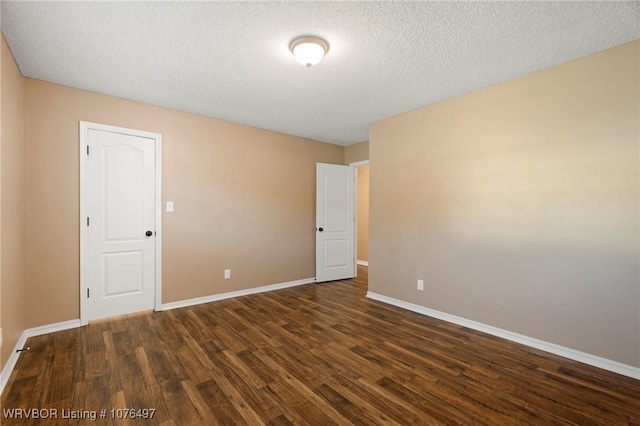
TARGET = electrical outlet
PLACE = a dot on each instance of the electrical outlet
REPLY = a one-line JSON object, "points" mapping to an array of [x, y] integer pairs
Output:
{"points": [[227, 274], [420, 285]]}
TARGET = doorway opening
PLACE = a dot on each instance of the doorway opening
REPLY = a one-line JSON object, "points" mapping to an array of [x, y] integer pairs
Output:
{"points": [[362, 212]]}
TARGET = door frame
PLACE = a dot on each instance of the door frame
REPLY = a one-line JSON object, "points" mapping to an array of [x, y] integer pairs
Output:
{"points": [[84, 127], [357, 165]]}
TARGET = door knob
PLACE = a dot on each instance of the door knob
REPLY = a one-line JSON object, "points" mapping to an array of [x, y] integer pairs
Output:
{"points": [[320, 229], [148, 233]]}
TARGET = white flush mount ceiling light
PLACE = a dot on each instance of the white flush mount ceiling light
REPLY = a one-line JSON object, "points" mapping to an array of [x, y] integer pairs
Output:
{"points": [[309, 50]]}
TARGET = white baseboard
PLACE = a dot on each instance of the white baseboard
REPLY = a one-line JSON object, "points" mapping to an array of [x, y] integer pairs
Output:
{"points": [[11, 362], [52, 328], [31, 332], [362, 262], [596, 361], [229, 295]]}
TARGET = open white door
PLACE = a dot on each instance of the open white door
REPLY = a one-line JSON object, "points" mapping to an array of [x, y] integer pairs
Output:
{"points": [[121, 220], [335, 222]]}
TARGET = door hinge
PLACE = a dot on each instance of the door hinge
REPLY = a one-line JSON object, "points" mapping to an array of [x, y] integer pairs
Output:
{"points": [[87, 293], [87, 149], [87, 221]]}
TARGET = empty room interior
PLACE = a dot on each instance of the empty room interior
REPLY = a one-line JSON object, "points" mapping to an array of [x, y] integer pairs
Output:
{"points": [[320, 213]]}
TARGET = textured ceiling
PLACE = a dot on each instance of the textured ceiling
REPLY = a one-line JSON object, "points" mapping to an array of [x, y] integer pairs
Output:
{"points": [[231, 60]]}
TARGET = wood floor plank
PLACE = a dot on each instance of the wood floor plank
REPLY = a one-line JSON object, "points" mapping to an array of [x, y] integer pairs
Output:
{"points": [[249, 375], [365, 409], [163, 413], [198, 402], [181, 409], [304, 391], [261, 402], [355, 390], [299, 409], [197, 372], [222, 408], [316, 354], [99, 396]]}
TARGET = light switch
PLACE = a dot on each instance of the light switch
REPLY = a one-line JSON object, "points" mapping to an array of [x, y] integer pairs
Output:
{"points": [[169, 206]]}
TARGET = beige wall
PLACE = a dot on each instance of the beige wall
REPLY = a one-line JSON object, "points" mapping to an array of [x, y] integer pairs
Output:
{"points": [[518, 205], [244, 199], [2, 43], [356, 152], [12, 284], [363, 213]]}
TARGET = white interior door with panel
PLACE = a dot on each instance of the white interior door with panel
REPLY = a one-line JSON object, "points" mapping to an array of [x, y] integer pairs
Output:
{"points": [[120, 220], [335, 222]]}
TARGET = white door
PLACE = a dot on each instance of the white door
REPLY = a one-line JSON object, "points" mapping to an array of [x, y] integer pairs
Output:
{"points": [[335, 222], [120, 207]]}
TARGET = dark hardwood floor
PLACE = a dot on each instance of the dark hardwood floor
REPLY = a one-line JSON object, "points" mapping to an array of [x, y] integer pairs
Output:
{"points": [[314, 354]]}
